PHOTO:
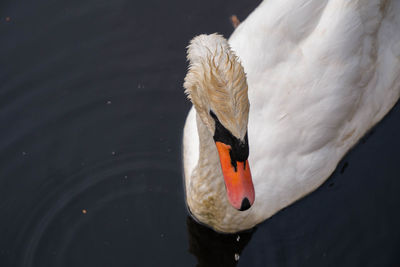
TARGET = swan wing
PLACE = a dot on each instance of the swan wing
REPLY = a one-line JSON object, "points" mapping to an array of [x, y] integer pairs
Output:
{"points": [[320, 74]]}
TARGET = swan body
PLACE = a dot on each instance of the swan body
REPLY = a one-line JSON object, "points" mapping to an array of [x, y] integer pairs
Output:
{"points": [[320, 74]]}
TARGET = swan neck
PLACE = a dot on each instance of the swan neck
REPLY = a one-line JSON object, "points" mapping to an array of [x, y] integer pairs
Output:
{"points": [[206, 191]]}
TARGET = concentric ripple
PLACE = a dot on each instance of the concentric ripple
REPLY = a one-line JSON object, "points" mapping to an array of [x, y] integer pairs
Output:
{"points": [[106, 206]]}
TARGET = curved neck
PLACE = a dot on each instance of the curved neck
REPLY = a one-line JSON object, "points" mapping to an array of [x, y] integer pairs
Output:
{"points": [[206, 194]]}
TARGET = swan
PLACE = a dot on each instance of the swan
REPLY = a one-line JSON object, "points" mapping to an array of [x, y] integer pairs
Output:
{"points": [[277, 106]]}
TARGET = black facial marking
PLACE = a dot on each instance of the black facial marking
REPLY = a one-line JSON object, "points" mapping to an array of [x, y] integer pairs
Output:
{"points": [[239, 149], [233, 163]]}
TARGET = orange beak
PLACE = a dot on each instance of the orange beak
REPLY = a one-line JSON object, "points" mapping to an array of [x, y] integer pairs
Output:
{"points": [[238, 182]]}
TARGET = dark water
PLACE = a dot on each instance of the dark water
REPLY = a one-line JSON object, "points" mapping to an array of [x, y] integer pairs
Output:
{"points": [[91, 117]]}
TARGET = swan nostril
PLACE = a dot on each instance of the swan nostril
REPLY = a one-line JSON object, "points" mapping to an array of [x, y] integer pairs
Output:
{"points": [[245, 204]]}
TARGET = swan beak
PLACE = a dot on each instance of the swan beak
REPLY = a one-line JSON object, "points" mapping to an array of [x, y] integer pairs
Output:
{"points": [[237, 176]]}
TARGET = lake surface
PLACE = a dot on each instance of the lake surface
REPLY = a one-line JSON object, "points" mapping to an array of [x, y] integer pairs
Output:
{"points": [[91, 115]]}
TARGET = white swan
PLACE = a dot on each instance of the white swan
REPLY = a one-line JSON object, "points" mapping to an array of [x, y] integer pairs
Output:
{"points": [[319, 75]]}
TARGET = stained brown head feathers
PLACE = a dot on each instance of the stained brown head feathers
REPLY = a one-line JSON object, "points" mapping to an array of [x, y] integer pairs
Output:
{"points": [[216, 81]]}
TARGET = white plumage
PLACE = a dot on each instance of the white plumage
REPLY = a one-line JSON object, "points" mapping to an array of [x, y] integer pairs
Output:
{"points": [[320, 74]]}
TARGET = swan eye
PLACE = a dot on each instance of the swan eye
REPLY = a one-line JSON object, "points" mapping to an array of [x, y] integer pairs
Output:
{"points": [[239, 148]]}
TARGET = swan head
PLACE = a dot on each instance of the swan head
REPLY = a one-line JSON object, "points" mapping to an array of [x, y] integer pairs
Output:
{"points": [[217, 86]]}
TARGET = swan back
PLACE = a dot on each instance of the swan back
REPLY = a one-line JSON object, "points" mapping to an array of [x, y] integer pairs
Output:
{"points": [[320, 75]]}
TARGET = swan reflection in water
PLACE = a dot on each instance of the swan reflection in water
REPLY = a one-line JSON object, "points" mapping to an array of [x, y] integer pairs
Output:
{"points": [[215, 249]]}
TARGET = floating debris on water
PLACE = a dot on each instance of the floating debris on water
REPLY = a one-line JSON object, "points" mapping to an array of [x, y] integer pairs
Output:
{"points": [[237, 256], [238, 238], [84, 211], [108, 102], [24, 153], [113, 153], [8, 19], [235, 21]]}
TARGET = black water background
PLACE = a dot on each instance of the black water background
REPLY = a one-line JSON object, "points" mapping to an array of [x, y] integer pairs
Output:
{"points": [[91, 114]]}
